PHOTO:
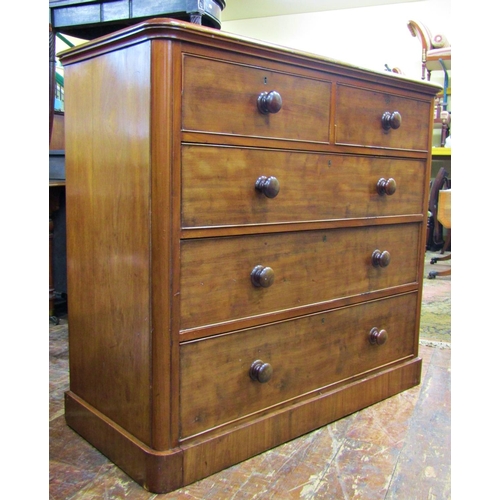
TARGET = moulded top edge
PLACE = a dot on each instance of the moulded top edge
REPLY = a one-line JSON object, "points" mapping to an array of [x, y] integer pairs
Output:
{"points": [[183, 30]]}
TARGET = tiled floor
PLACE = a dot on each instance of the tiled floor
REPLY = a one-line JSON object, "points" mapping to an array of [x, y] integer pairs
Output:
{"points": [[396, 449]]}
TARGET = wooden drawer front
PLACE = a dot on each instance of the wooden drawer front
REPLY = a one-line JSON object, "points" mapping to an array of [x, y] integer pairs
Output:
{"points": [[358, 120], [221, 97], [218, 186], [309, 267], [306, 355]]}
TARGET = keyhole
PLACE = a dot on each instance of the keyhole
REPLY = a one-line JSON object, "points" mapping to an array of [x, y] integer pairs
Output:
{"points": [[265, 80]]}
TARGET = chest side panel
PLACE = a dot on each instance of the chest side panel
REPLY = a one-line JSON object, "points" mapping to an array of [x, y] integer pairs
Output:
{"points": [[108, 235]]}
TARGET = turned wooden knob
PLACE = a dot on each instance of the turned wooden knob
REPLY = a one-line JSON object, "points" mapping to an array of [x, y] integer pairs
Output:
{"points": [[381, 259], [391, 120], [262, 276], [260, 371], [269, 102], [269, 186], [386, 186], [378, 337]]}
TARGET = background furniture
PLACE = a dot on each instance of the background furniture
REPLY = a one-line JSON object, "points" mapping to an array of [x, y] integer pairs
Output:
{"points": [[436, 56], [57, 224], [444, 217], [436, 50], [56, 196], [89, 19], [435, 236], [246, 233]]}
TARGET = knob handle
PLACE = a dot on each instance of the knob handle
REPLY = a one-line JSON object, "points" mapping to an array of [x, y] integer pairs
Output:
{"points": [[391, 120], [262, 276], [269, 102], [386, 186], [260, 371], [381, 259], [269, 186], [378, 337]]}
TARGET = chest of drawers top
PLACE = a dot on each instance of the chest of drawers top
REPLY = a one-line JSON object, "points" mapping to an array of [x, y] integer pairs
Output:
{"points": [[246, 92]]}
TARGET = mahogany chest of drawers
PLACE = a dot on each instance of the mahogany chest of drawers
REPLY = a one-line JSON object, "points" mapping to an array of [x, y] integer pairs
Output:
{"points": [[245, 233]]}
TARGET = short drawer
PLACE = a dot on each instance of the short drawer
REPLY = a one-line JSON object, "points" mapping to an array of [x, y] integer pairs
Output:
{"points": [[222, 98], [365, 117], [237, 186], [224, 279], [306, 355]]}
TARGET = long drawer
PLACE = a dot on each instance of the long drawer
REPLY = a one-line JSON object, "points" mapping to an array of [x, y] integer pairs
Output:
{"points": [[305, 355], [222, 97], [366, 117], [230, 278], [243, 186]]}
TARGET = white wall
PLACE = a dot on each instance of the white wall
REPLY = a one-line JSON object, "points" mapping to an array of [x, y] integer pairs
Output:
{"points": [[369, 37]]}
